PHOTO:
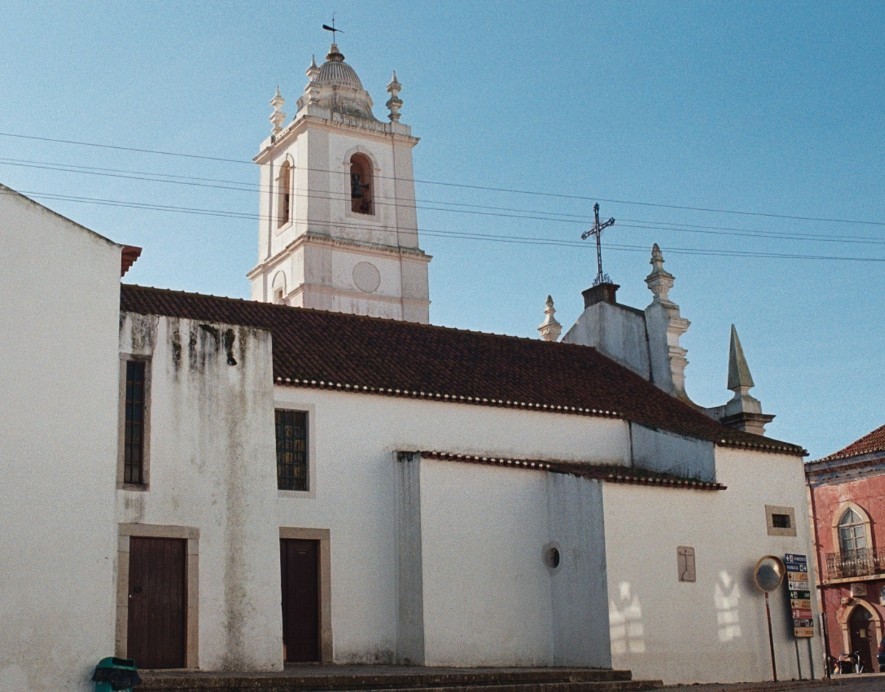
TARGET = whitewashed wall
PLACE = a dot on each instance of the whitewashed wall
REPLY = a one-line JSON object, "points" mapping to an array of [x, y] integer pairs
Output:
{"points": [[212, 467], [59, 284], [715, 628], [354, 495]]}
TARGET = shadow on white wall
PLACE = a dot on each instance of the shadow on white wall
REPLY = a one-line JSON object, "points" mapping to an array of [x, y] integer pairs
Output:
{"points": [[625, 622]]}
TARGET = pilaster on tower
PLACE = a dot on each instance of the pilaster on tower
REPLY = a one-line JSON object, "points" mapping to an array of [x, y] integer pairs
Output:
{"points": [[338, 227]]}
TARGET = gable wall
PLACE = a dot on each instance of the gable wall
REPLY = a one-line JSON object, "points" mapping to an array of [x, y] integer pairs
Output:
{"points": [[58, 331]]}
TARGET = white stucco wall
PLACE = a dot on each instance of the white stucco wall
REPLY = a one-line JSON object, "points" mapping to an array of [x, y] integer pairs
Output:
{"points": [[487, 597], [615, 330], [58, 447], [212, 467], [659, 450], [713, 629], [354, 495]]}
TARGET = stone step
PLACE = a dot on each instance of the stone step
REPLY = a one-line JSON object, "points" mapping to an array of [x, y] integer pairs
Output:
{"points": [[368, 678]]}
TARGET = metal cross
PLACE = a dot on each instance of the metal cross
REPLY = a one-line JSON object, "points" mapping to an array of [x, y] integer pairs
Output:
{"points": [[601, 278]]}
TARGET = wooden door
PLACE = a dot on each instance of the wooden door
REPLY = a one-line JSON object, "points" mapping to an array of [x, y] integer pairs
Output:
{"points": [[156, 634], [859, 628], [299, 564]]}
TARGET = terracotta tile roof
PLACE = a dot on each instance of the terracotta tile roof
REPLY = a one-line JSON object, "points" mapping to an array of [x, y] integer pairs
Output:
{"points": [[129, 255], [868, 444], [313, 348], [608, 472]]}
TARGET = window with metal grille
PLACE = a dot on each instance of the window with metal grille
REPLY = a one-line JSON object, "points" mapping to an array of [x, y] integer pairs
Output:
{"points": [[134, 423], [291, 449], [781, 521]]}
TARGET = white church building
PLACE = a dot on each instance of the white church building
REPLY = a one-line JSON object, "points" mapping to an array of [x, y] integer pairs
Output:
{"points": [[319, 474]]}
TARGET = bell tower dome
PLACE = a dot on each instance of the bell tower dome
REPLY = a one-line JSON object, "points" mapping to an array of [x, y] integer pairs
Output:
{"points": [[338, 228]]}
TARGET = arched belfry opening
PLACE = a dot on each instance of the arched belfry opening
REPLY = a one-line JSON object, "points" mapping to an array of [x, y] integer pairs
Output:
{"points": [[284, 193], [361, 185]]}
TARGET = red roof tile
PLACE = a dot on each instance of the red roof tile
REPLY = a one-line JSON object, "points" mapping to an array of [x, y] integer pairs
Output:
{"points": [[609, 473], [129, 255], [313, 348], [868, 444]]}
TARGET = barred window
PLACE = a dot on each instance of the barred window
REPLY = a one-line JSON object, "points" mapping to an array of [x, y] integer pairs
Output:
{"points": [[291, 429], [134, 423]]}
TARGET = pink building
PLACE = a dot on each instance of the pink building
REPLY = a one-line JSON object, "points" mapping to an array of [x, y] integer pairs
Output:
{"points": [[847, 491]]}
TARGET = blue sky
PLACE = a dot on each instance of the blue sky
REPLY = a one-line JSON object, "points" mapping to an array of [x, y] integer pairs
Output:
{"points": [[528, 112]]}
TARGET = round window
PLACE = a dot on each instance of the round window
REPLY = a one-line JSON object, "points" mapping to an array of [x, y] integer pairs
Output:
{"points": [[551, 556]]}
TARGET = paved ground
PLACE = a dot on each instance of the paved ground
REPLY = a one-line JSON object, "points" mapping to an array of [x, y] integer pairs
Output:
{"points": [[874, 682]]}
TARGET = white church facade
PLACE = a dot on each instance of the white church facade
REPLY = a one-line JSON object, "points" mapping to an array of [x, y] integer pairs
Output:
{"points": [[264, 483]]}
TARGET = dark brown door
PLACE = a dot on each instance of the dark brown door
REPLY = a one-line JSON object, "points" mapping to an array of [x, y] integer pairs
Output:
{"points": [[157, 602], [301, 607], [859, 626]]}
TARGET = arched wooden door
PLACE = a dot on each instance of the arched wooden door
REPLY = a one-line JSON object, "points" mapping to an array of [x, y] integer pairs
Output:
{"points": [[860, 630]]}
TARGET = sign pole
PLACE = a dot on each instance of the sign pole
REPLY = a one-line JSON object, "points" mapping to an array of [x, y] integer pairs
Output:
{"points": [[768, 574], [770, 638]]}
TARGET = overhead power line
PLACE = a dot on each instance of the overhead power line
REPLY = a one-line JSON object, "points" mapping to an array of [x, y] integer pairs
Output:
{"points": [[465, 186], [446, 206], [456, 235]]}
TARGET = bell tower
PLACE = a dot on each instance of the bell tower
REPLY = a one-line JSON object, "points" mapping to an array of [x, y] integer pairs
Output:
{"points": [[338, 228]]}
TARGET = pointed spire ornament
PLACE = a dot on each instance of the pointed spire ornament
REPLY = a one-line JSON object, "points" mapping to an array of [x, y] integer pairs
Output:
{"points": [[739, 376], [550, 329], [313, 71], [277, 117], [394, 103], [743, 411]]}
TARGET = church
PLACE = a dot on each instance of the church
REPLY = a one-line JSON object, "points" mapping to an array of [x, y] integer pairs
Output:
{"points": [[319, 474]]}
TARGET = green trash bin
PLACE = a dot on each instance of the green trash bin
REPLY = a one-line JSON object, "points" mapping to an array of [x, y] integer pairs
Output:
{"points": [[115, 674]]}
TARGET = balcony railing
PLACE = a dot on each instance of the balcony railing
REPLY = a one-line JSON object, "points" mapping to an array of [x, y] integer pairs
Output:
{"points": [[855, 563]]}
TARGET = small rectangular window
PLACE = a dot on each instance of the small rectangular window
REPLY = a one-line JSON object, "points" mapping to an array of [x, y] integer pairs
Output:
{"points": [[780, 521], [134, 427], [291, 434]]}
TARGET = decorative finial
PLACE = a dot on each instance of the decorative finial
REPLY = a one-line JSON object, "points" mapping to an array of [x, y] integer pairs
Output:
{"points": [[277, 117], [739, 376], [550, 329], [313, 71], [394, 103], [660, 281], [601, 277], [742, 411]]}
